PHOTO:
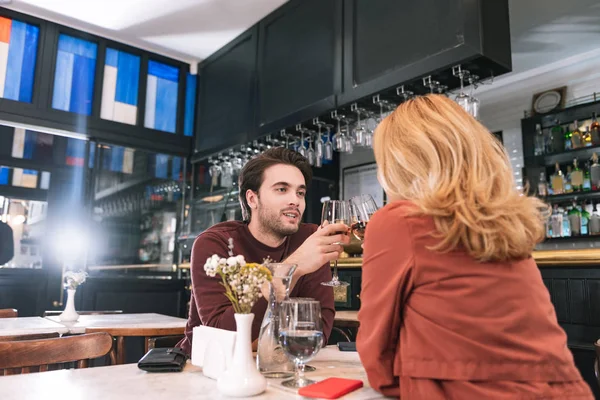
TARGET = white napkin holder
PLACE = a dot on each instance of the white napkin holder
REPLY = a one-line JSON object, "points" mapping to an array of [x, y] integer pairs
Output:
{"points": [[212, 349]]}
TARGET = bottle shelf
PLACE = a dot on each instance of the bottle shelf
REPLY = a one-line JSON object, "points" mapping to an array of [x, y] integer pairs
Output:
{"points": [[572, 239], [582, 153], [576, 196]]}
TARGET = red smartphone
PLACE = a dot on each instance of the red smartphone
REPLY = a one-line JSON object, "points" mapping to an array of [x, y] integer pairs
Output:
{"points": [[330, 388]]}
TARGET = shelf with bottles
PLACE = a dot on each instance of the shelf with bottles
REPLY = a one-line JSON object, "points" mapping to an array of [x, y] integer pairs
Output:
{"points": [[561, 141], [579, 220], [574, 179]]}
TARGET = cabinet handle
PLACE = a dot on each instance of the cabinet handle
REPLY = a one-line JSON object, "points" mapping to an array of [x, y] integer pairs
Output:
{"points": [[358, 296]]}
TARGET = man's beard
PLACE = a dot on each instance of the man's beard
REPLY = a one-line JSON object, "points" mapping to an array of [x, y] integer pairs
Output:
{"points": [[271, 222]]}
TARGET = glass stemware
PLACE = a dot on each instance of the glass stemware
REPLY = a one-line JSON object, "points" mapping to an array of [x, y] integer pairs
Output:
{"points": [[328, 146], [474, 104], [310, 153], [335, 212], [302, 149], [339, 142], [348, 138], [319, 144], [362, 208], [300, 335]]}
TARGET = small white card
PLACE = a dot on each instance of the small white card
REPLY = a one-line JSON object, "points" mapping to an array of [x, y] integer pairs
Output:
{"points": [[212, 349]]}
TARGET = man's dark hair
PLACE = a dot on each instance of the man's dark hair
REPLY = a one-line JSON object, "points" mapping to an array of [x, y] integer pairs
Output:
{"points": [[252, 175]]}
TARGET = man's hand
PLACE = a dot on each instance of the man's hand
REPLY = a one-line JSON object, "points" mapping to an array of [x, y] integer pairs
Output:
{"points": [[323, 246]]}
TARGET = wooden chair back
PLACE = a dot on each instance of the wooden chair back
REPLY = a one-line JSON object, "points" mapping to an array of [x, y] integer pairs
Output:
{"points": [[33, 336], [38, 355], [8, 313]]}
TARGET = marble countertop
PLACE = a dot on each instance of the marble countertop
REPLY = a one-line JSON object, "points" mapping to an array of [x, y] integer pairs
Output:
{"points": [[124, 382], [29, 326], [119, 321]]}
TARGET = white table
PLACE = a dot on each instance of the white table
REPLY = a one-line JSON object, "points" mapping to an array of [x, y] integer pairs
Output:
{"points": [[121, 325], [29, 326], [125, 382], [121, 321]]}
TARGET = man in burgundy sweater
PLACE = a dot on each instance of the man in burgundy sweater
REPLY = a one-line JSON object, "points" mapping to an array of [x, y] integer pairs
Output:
{"points": [[272, 195]]}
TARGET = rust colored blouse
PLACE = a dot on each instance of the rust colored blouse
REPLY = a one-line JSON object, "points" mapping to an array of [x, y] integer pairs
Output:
{"points": [[444, 326]]}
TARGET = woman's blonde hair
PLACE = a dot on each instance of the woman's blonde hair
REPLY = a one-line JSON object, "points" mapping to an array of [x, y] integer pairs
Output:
{"points": [[431, 152]]}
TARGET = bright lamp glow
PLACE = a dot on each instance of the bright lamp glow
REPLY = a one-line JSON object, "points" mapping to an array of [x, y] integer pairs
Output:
{"points": [[70, 244]]}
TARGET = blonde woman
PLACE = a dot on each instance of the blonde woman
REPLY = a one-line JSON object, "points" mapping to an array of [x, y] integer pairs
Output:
{"points": [[453, 305]]}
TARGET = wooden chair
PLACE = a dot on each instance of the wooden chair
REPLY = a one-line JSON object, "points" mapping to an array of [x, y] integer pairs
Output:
{"points": [[33, 336], [118, 353], [8, 313], [37, 355]]}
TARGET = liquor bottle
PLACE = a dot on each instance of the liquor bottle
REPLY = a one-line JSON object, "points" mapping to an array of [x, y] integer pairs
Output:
{"points": [[568, 184], [576, 136], [540, 142], [595, 130], [594, 225], [576, 177], [542, 185], [595, 172], [585, 220], [587, 137], [558, 181], [557, 222], [566, 224], [574, 219], [568, 140], [549, 227], [587, 181], [558, 137]]}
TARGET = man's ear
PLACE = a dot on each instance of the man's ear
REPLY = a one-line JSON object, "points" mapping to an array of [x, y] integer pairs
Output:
{"points": [[252, 199]]}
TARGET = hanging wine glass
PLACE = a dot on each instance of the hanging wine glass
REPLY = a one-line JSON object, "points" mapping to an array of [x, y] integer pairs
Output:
{"points": [[359, 130], [339, 142], [310, 153], [462, 99], [318, 139], [302, 149], [328, 146], [369, 131], [474, 103], [348, 139]]}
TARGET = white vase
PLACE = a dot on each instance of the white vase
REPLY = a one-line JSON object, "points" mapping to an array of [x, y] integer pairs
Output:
{"points": [[242, 378], [69, 314]]}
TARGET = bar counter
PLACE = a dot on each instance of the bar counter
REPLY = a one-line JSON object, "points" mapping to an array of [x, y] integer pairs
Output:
{"points": [[543, 258]]}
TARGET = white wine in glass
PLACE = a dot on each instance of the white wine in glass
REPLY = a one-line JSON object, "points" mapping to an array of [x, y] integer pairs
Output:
{"points": [[335, 211]]}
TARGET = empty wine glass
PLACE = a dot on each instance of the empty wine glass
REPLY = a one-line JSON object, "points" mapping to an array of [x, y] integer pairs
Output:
{"points": [[310, 153], [362, 208], [302, 149], [359, 129], [319, 144], [300, 335], [335, 212], [328, 146], [348, 139], [473, 101], [339, 142]]}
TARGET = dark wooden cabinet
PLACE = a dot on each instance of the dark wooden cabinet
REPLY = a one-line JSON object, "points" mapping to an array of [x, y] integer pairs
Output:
{"points": [[390, 42], [299, 62], [227, 96]]}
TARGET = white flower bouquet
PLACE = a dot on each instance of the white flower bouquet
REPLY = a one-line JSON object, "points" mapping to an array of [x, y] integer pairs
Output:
{"points": [[74, 279], [242, 281]]}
